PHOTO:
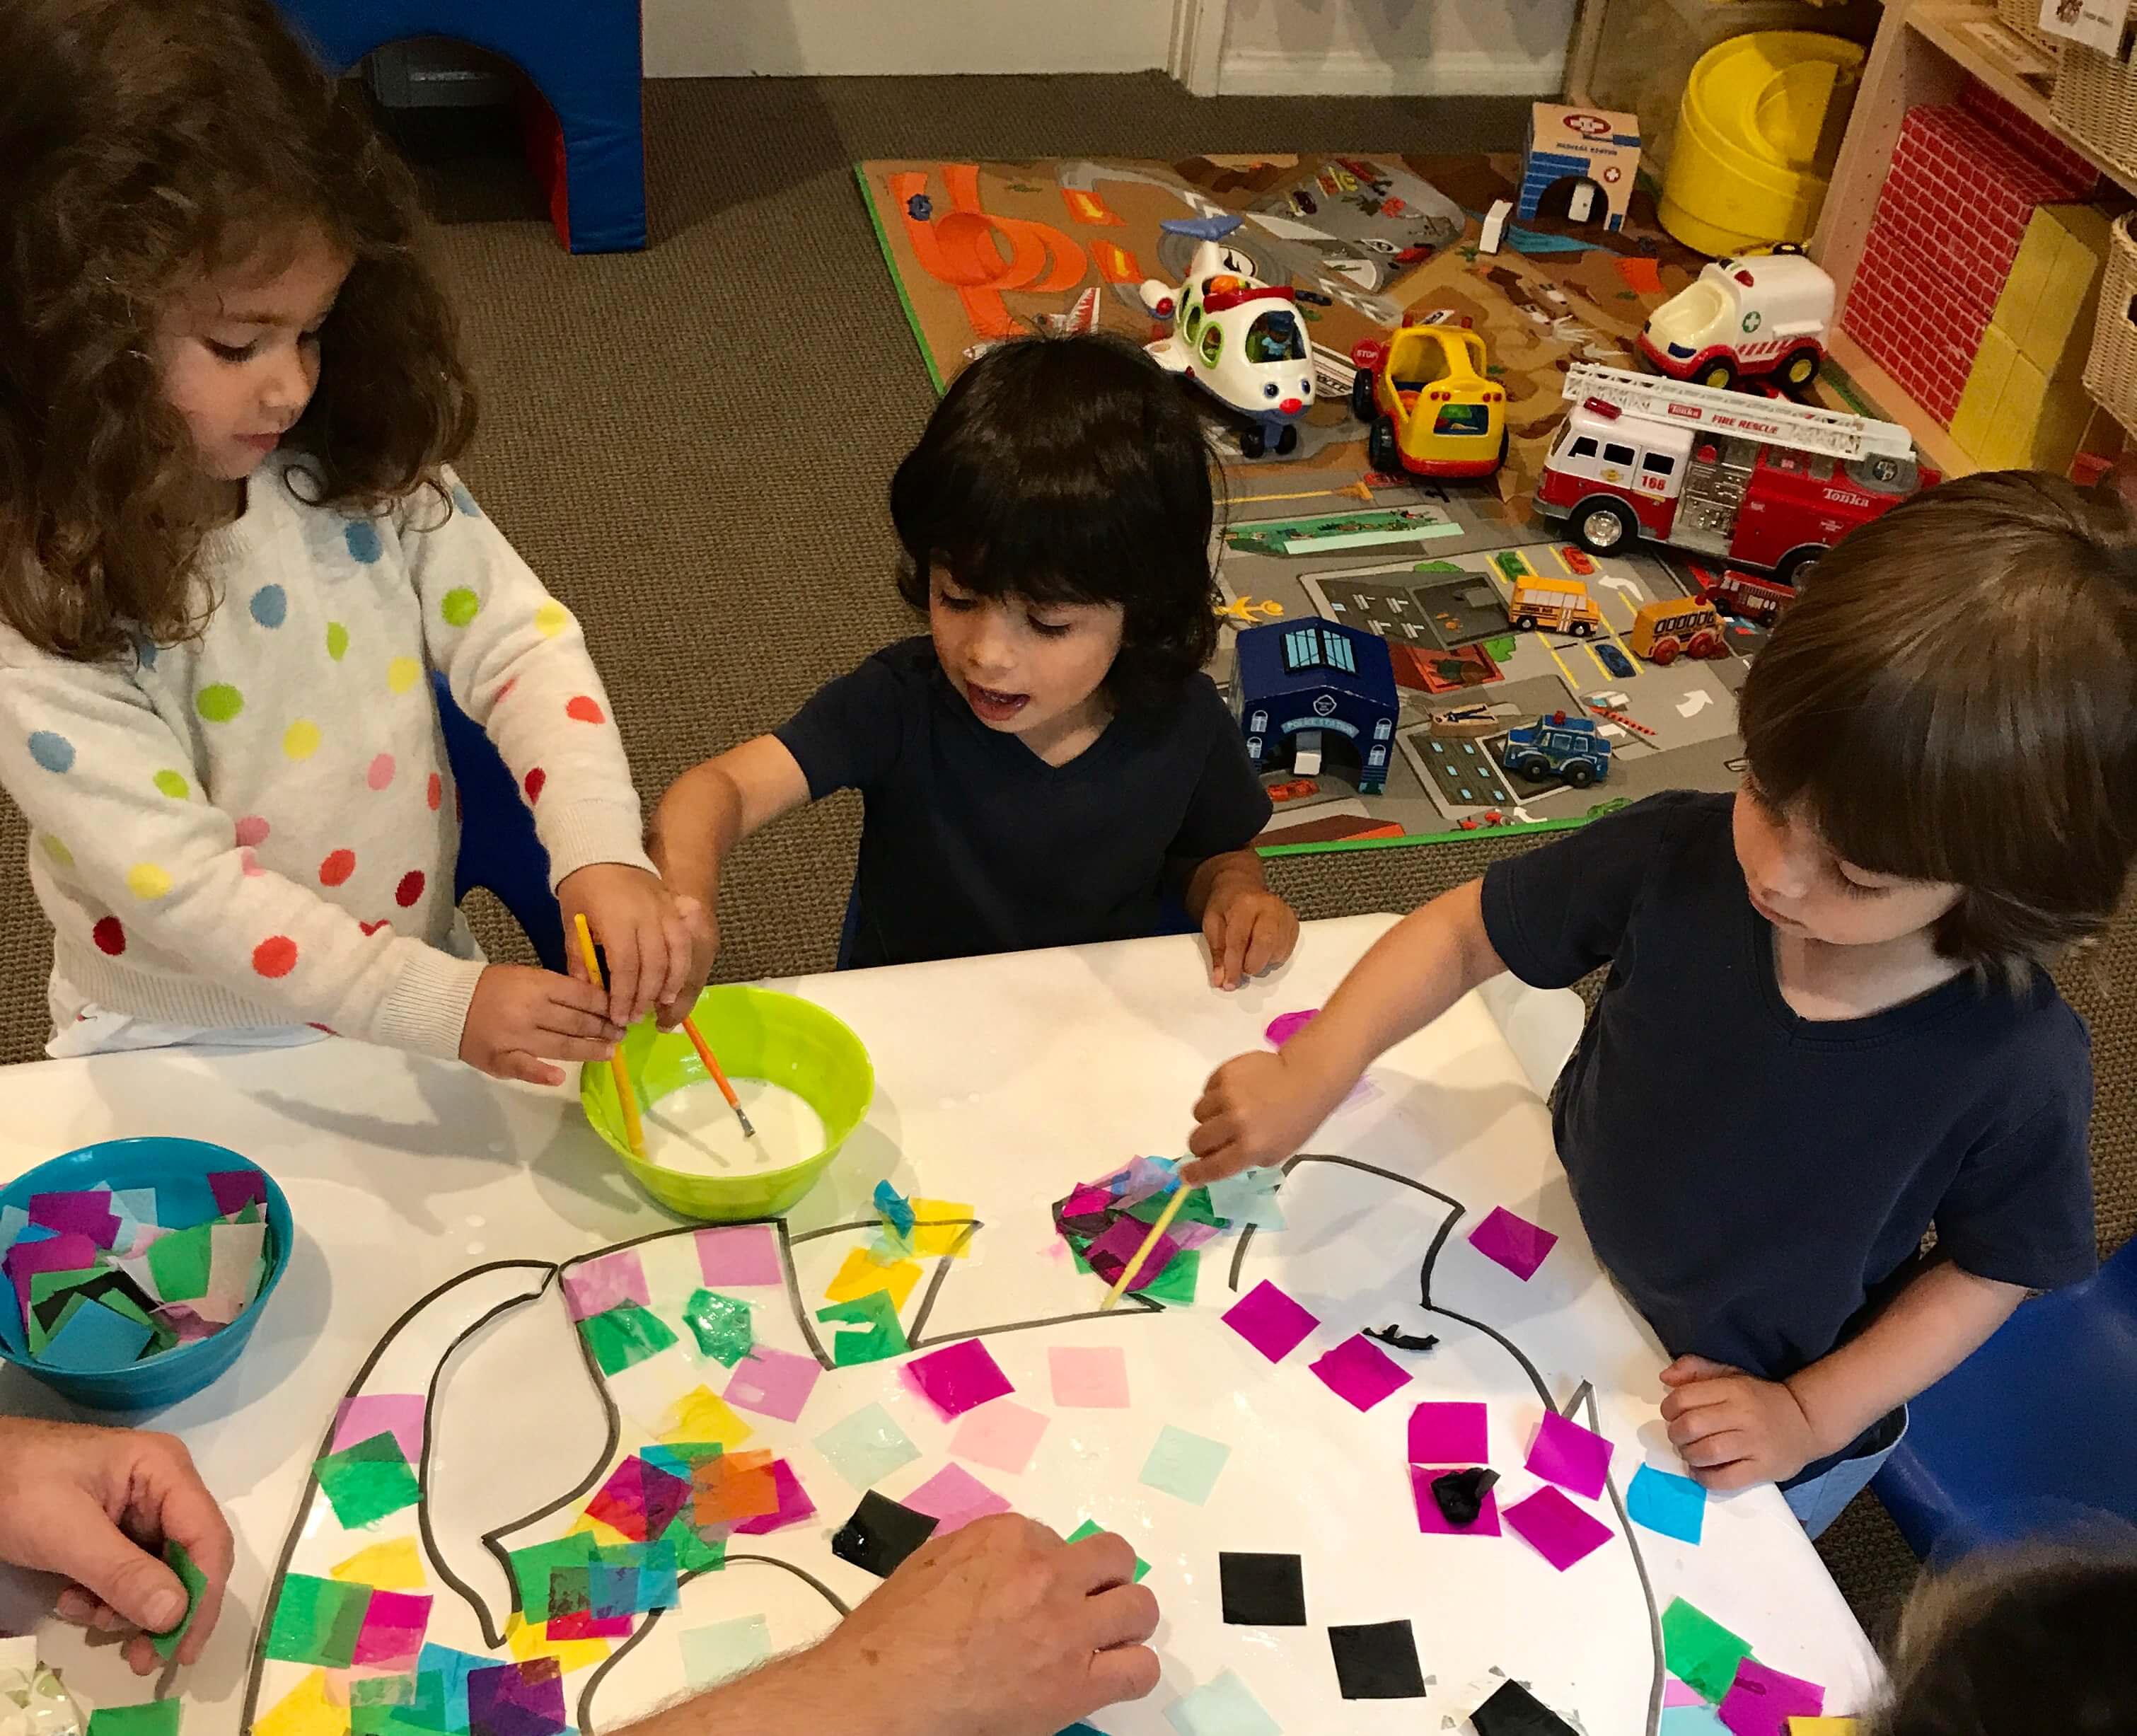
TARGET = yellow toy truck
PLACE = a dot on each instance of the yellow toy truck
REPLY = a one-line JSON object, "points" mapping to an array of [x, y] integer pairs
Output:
{"points": [[1428, 404], [1553, 605]]}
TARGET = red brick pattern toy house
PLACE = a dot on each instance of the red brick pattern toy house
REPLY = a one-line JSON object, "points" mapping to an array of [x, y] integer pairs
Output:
{"points": [[1964, 181]]}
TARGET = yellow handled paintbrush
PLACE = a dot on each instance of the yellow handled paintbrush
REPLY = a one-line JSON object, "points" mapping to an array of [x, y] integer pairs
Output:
{"points": [[1164, 1223], [634, 1129]]}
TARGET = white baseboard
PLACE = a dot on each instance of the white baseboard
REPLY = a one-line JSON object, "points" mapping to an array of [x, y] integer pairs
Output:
{"points": [[1277, 72]]}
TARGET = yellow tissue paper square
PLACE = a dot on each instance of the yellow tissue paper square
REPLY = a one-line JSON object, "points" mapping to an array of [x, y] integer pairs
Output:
{"points": [[307, 1709], [1823, 1726], [535, 1642], [701, 1414], [387, 1567], [860, 1276], [933, 1239]]}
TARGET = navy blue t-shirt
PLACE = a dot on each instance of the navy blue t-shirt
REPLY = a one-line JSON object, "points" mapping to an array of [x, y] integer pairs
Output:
{"points": [[1760, 1183], [972, 843]]}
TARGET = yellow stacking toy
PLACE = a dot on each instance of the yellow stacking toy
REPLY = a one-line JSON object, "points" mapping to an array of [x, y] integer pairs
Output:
{"points": [[1757, 131]]}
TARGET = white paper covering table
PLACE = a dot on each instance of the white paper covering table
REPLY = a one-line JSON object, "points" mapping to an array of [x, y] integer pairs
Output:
{"points": [[1000, 1082]]}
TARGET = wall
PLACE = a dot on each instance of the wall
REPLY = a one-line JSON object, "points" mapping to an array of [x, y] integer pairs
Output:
{"points": [[784, 38], [1395, 47], [1274, 47]]}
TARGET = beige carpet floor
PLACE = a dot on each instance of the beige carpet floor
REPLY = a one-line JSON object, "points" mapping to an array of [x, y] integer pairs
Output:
{"points": [[692, 445]]}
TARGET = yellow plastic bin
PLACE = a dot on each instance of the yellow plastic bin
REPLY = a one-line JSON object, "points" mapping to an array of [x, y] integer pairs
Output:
{"points": [[1757, 132]]}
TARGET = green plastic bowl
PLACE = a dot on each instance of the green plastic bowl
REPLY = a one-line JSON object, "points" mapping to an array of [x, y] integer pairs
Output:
{"points": [[757, 1035]]}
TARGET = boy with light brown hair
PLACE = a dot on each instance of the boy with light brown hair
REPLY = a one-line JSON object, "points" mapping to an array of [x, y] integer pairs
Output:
{"points": [[1826, 1028]]}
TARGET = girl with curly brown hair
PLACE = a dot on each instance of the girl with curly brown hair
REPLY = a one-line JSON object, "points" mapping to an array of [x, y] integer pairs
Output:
{"points": [[231, 554]]}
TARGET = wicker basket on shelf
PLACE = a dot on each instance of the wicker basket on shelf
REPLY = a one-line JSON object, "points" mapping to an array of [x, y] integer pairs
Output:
{"points": [[2023, 19], [2110, 369], [2096, 97]]}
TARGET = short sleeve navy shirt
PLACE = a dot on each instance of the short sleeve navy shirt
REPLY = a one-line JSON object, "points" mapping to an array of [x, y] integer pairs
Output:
{"points": [[1759, 1182], [971, 844]]}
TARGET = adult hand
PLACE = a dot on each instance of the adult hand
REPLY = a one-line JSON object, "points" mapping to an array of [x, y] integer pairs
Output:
{"points": [[1003, 1629], [521, 1018], [1733, 1429], [1249, 928], [96, 1505], [639, 925], [1257, 1108]]}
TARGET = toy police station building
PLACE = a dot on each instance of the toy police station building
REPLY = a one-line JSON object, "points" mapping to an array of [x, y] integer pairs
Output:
{"points": [[1296, 682]]}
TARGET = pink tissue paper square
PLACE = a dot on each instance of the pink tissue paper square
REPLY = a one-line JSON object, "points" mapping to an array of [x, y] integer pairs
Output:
{"points": [[1005, 1436], [397, 1414], [1565, 1453], [1762, 1700], [1095, 1378], [594, 1286], [1556, 1529], [1270, 1320], [1358, 1372], [773, 1383], [1430, 1519], [1513, 1242], [1448, 1432], [958, 1378], [746, 1253], [392, 1631], [956, 1497]]}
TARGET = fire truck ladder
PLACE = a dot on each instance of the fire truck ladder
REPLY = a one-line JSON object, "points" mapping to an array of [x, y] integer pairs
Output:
{"points": [[1806, 427]]}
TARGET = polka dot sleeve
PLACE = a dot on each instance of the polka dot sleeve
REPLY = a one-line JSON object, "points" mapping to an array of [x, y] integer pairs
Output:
{"points": [[518, 665], [159, 880]]}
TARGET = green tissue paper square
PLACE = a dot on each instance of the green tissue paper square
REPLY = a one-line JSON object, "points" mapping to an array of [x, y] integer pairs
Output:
{"points": [[1700, 1651], [195, 1581], [621, 1338], [884, 1338], [158, 1718], [721, 1324], [367, 1481], [317, 1621]]}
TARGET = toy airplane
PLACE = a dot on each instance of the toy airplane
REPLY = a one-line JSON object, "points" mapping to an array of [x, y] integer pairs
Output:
{"points": [[1237, 338]]}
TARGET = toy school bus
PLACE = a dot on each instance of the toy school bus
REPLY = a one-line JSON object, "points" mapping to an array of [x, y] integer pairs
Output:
{"points": [[1553, 605], [1672, 627], [1753, 482]]}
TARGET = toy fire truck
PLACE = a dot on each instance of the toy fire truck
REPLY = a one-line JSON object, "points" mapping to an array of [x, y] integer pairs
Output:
{"points": [[1755, 482]]}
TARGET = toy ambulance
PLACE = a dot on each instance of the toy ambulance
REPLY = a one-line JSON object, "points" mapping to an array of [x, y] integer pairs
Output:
{"points": [[1428, 404], [1672, 627], [1758, 314], [1553, 605], [1239, 340], [1750, 481]]}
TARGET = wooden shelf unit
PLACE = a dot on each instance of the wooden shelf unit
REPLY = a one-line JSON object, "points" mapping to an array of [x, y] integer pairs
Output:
{"points": [[1924, 53]]}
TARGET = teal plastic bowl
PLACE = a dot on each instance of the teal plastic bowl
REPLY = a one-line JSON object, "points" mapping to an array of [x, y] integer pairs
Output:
{"points": [[185, 1369]]}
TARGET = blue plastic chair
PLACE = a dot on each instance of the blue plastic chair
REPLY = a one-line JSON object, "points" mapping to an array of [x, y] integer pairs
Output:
{"points": [[583, 55], [2031, 1432], [500, 849]]}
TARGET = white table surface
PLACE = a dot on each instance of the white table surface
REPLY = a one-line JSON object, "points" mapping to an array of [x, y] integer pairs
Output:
{"points": [[401, 1173]]}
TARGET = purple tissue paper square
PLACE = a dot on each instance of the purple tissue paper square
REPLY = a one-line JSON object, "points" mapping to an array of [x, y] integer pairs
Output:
{"points": [[958, 1378], [235, 1190], [773, 1383], [594, 1286], [1762, 1700], [954, 1496], [1513, 1242], [744, 1253], [1360, 1372], [1270, 1320], [1565, 1453], [86, 1211], [1113, 1251], [1557, 1530], [517, 1699], [397, 1414]]}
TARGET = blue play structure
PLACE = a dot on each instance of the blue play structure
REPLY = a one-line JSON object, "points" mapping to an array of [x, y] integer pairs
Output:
{"points": [[583, 55], [499, 851], [1298, 679], [2032, 1433]]}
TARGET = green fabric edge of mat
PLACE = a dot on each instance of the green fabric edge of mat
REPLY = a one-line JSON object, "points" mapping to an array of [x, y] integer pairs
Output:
{"points": [[1337, 845], [897, 282]]}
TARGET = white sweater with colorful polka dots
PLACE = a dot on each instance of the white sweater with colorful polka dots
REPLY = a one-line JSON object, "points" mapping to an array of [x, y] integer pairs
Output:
{"points": [[258, 826]]}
